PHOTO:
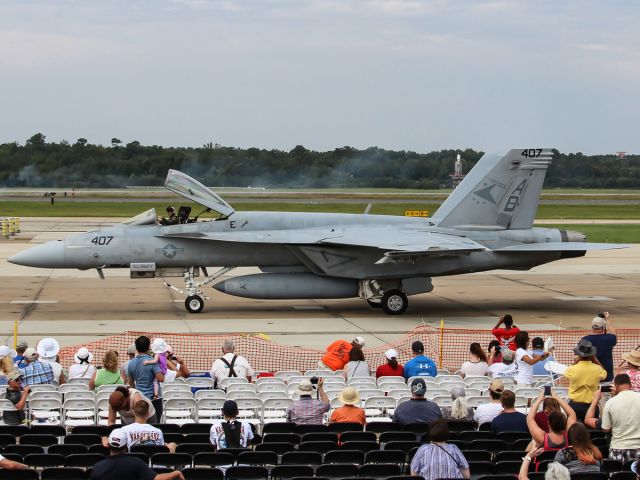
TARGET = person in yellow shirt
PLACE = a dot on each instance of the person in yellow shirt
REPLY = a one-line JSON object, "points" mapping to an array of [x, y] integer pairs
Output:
{"points": [[584, 378]]}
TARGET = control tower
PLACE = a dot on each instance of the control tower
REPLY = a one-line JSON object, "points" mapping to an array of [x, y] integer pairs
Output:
{"points": [[457, 175]]}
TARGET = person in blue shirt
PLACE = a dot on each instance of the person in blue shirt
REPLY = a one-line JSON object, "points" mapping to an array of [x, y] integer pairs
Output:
{"points": [[19, 358], [537, 346], [604, 338], [419, 365]]}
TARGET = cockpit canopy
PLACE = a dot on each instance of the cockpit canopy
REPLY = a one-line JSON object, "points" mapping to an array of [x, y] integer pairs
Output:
{"points": [[148, 217], [192, 189]]}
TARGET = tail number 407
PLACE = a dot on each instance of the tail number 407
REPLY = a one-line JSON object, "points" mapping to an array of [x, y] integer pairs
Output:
{"points": [[531, 152], [103, 240]]}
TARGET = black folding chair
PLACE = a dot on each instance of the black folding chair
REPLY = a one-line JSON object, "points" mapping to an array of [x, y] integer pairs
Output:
{"points": [[287, 472], [249, 472], [344, 456], [63, 473], [198, 473], [337, 470]]}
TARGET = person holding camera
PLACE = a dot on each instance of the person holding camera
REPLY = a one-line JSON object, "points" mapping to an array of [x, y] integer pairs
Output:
{"points": [[604, 341], [308, 410]]}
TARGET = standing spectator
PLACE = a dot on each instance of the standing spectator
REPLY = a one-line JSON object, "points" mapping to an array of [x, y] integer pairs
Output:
{"points": [[556, 437], [141, 433], [142, 377], [459, 410], [36, 372], [633, 368], [19, 358], [584, 378], [477, 363], [506, 336], [604, 342], [122, 400], [486, 412], [176, 367], [525, 359], [230, 432], [337, 354], [230, 364], [537, 348], [509, 420], [439, 459], [82, 367], [581, 456], [6, 363], [357, 366], [48, 349], [494, 352], [109, 374], [349, 412], [419, 365], [119, 466], [16, 395], [131, 353], [7, 464], [308, 410], [392, 368], [621, 417], [418, 409], [505, 368]]}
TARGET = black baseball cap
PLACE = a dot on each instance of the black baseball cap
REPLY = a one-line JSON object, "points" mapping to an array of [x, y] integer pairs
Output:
{"points": [[417, 346]]}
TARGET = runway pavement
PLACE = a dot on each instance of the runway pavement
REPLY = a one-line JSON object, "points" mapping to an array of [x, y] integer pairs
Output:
{"points": [[77, 306]]}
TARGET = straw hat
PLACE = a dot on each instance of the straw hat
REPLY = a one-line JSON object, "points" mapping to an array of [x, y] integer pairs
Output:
{"points": [[633, 357], [349, 396]]}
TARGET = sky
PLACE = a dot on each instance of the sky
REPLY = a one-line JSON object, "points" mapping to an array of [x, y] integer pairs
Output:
{"points": [[417, 75]]}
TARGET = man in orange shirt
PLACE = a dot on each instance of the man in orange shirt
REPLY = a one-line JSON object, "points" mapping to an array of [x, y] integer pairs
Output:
{"points": [[349, 412], [337, 355]]}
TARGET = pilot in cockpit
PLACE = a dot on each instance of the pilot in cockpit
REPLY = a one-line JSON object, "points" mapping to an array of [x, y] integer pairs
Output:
{"points": [[170, 219]]}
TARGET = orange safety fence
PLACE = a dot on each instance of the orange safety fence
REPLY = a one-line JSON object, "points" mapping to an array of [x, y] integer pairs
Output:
{"points": [[449, 347]]}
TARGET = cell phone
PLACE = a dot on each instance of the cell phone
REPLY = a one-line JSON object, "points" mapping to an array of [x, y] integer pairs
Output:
{"points": [[547, 390], [605, 388]]}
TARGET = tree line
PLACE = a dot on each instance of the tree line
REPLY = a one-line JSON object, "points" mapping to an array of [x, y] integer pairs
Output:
{"points": [[39, 163]]}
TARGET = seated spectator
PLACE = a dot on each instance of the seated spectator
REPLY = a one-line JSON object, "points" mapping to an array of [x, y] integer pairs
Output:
{"points": [[556, 437], [6, 363], [549, 406], [439, 459], [509, 420], [537, 348], [459, 410], [555, 471], [486, 412], [82, 367], [19, 358], [418, 409], [122, 401], [230, 364], [525, 360], [337, 354], [16, 395], [494, 352], [621, 417], [109, 374], [581, 456], [36, 372], [118, 466], [633, 368], [635, 468], [392, 368], [230, 432], [506, 336], [506, 368], [357, 366], [308, 410], [584, 378], [349, 412], [11, 465], [477, 363], [419, 365], [48, 349]]}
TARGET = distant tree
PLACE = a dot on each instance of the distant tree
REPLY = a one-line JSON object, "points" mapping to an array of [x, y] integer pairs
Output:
{"points": [[115, 142], [37, 140], [81, 142]]}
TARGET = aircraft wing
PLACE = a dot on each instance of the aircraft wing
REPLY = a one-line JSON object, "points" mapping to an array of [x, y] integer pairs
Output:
{"points": [[195, 191], [561, 247]]}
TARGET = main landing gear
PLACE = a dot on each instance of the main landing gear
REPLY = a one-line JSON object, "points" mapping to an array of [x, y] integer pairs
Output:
{"points": [[193, 291], [385, 295]]}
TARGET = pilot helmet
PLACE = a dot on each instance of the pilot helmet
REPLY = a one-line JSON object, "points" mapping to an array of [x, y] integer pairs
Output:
{"points": [[170, 209]]}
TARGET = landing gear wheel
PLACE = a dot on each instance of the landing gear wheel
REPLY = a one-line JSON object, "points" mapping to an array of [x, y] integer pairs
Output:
{"points": [[394, 302], [373, 304], [194, 304]]}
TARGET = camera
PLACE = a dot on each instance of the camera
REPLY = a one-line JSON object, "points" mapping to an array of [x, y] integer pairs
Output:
{"points": [[314, 380], [601, 315], [547, 390]]}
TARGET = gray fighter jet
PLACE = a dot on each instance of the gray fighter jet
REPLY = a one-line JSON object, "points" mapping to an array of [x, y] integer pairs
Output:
{"points": [[485, 224]]}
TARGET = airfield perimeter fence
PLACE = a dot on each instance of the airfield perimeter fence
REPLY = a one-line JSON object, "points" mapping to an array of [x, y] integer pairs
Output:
{"points": [[449, 347]]}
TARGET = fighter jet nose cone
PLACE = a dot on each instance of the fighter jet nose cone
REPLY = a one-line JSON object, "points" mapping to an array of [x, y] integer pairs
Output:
{"points": [[48, 255]]}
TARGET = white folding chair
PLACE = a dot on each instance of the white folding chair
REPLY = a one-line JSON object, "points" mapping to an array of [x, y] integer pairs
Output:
{"points": [[102, 409], [45, 395], [250, 409], [209, 409], [362, 382], [436, 392], [296, 379], [73, 387], [323, 372], [476, 378], [472, 392], [175, 387], [286, 374], [79, 412], [474, 401], [199, 382], [386, 383], [399, 392], [448, 378], [210, 394], [370, 392], [106, 388], [77, 381], [275, 409], [45, 411], [480, 385], [334, 381], [272, 387], [166, 396], [43, 387], [443, 371], [263, 380], [451, 384], [180, 411], [86, 395], [527, 392], [377, 408], [273, 394], [241, 394], [442, 400], [241, 387], [427, 379]]}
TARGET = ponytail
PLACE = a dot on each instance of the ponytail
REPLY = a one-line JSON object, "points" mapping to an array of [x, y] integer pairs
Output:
{"points": [[393, 362]]}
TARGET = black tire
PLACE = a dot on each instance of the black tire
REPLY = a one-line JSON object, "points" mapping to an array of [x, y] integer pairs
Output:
{"points": [[394, 302], [194, 304], [373, 304]]}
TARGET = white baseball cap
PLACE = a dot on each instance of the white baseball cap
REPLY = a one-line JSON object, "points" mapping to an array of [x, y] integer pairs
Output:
{"points": [[360, 341], [598, 322], [391, 353], [118, 438]]}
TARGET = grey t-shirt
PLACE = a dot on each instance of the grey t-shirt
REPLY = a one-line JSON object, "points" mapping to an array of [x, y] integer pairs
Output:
{"points": [[13, 418], [144, 375], [416, 411]]}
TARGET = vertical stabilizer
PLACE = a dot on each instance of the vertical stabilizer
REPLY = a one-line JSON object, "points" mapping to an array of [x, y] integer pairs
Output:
{"points": [[502, 192]]}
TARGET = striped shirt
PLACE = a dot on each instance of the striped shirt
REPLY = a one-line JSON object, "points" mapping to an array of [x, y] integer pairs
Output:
{"points": [[433, 461], [307, 411], [37, 373]]}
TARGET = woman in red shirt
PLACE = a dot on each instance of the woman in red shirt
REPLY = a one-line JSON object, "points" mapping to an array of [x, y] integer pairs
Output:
{"points": [[392, 368]]}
